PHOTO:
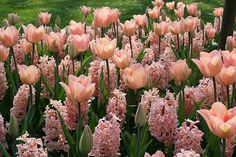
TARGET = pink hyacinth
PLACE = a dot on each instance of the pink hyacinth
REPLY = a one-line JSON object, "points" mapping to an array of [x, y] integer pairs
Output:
{"points": [[54, 138], [94, 73], [117, 106], [66, 68], [2, 132], [72, 113], [47, 65], [157, 71], [106, 138], [230, 145], [162, 121], [148, 98], [3, 81], [137, 45], [148, 57], [187, 153], [32, 147], [188, 137], [21, 101], [189, 99]]}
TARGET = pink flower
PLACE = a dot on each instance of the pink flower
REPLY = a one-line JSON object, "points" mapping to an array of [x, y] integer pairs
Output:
{"points": [[106, 138], [114, 15], [177, 27], [55, 41], [102, 17], [170, 5], [33, 34], [210, 31], [158, 3], [218, 11], [85, 10], [179, 12], [135, 76], [3, 81], [180, 5], [227, 76], [76, 28], [2, 132], [79, 89], [190, 24], [105, 48], [4, 52], [187, 153], [157, 154], [209, 64], [9, 36], [44, 18], [80, 42], [26, 47], [29, 74], [129, 28], [192, 9], [231, 43], [229, 58], [122, 59], [161, 28], [154, 13], [141, 20]]}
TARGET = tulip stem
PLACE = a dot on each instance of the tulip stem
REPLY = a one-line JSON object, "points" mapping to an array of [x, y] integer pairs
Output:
{"points": [[17, 74], [102, 32], [214, 85], [31, 95], [177, 42], [183, 94], [140, 32], [138, 140], [32, 58], [159, 47], [81, 63], [223, 147], [108, 78], [232, 96], [73, 65], [228, 97], [114, 27], [189, 44], [131, 47], [56, 74]]}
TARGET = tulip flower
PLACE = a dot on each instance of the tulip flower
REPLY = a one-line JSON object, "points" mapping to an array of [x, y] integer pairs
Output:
{"points": [[79, 89], [80, 42], [4, 52], [122, 59], [179, 71], [154, 13], [44, 18], [210, 31], [179, 12], [190, 24], [229, 58], [33, 34], [227, 76], [26, 47], [29, 74], [230, 43], [218, 12], [105, 48], [12, 18], [170, 5], [129, 28], [221, 122], [102, 17], [158, 3], [85, 10], [114, 15], [135, 76], [141, 20], [192, 9], [9, 36], [55, 41], [76, 28]]}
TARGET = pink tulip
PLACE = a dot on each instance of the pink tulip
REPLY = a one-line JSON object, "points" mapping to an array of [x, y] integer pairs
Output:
{"points": [[114, 15], [210, 31], [158, 3], [180, 5], [122, 59], [157, 154], [221, 122], [210, 64], [105, 48], [229, 58], [179, 12], [227, 76], [192, 9], [79, 89], [161, 28], [190, 24], [55, 41], [26, 47], [76, 28], [179, 71], [154, 13], [170, 5], [177, 27], [29, 74], [80, 42], [230, 43], [4, 52], [141, 20], [102, 17], [33, 34], [85, 10], [44, 18], [135, 76], [129, 28], [9, 36], [218, 11]]}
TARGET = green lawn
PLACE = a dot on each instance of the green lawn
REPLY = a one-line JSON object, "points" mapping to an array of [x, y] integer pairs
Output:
{"points": [[70, 9]]}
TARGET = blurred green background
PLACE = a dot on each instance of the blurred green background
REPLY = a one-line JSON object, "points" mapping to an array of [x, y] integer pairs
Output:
{"points": [[70, 9]]}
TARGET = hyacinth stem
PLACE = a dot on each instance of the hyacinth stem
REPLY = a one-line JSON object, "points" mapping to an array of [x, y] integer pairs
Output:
{"points": [[108, 78], [228, 97], [131, 47], [159, 47], [81, 63], [79, 127], [177, 42], [32, 58], [232, 97], [138, 140], [16, 68], [14, 147], [214, 85], [223, 147]]}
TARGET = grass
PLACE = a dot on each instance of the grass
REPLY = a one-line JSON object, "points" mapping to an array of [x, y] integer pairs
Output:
{"points": [[70, 9]]}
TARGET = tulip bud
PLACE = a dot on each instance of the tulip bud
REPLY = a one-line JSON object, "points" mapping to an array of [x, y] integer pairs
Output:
{"points": [[140, 116], [37, 23], [13, 127], [12, 18], [5, 23], [163, 15], [58, 21], [71, 51], [56, 28], [86, 141]]}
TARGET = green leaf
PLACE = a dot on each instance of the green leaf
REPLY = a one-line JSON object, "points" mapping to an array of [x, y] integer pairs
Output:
{"points": [[133, 145], [197, 106], [86, 62], [140, 56], [4, 151], [143, 149], [102, 86], [126, 140]]}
